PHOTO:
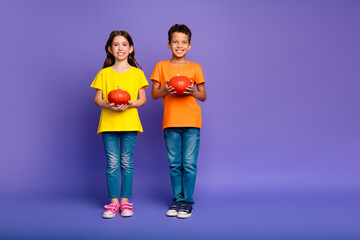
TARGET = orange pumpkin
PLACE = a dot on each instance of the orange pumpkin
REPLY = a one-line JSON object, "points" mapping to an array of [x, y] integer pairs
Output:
{"points": [[180, 83], [118, 96]]}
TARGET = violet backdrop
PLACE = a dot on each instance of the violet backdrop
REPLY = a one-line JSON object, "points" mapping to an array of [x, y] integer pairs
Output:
{"points": [[282, 79]]}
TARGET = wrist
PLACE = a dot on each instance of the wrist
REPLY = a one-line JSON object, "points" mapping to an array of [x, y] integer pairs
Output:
{"points": [[107, 106], [165, 92], [133, 104]]}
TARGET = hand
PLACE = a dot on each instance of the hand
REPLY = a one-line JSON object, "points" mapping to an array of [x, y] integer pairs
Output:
{"points": [[169, 89], [190, 89], [118, 108]]}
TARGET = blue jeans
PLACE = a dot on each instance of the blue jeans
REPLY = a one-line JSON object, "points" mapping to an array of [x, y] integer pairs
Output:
{"points": [[114, 160], [182, 146]]}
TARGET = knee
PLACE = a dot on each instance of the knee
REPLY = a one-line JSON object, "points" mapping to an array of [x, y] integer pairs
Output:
{"points": [[127, 167], [112, 166], [126, 164], [190, 167], [175, 167]]}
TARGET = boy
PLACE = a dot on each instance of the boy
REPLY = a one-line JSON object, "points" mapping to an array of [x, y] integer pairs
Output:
{"points": [[182, 118]]}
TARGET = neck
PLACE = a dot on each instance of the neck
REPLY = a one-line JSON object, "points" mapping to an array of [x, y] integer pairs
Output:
{"points": [[178, 61], [121, 64]]}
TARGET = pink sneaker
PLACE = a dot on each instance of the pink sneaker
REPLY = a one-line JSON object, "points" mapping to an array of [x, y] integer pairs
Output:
{"points": [[111, 210], [126, 209]]}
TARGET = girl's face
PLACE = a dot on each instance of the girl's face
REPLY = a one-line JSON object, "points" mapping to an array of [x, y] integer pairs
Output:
{"points": [[120, 48], [179, 44]]}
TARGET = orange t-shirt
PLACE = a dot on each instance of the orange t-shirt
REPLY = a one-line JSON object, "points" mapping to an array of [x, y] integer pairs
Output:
{"points": [[179, 111]]}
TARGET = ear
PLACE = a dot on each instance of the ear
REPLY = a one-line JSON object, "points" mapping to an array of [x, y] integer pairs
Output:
{"points": [[189, 46], [169, 46], [109, 49], [131, 49]]}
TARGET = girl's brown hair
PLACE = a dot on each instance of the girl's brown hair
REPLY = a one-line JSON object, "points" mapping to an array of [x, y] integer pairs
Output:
{"points": [[110, 59]]}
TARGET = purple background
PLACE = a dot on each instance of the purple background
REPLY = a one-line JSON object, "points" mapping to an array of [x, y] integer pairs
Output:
{"points": [[280, 143]]}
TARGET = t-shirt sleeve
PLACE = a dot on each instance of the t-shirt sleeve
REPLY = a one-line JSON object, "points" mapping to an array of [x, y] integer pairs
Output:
{"points": [[199, 76], [155, 76], [143, 83], [98, 81]]}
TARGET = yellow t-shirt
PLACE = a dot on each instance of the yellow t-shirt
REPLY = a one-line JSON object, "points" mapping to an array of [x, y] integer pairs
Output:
{"points": [[131, 81], [179, 111]]}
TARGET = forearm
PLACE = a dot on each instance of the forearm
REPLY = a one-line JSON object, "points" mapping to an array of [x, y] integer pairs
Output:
{"points": [[158, 93], [138, 103], [200, 95], [102, 103]]}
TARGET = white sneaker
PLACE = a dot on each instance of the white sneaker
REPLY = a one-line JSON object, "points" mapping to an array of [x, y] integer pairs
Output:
{"points": [[185, 210], [111, 210], [126, 209], [173, 209]]}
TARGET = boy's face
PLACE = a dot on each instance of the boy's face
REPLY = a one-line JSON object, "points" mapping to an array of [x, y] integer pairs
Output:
{"points": [[179, 44]]}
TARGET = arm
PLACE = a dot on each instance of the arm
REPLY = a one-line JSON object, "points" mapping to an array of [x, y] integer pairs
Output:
{"points": [[140, 102], [157, 92], [99, 101], [200, 93]]}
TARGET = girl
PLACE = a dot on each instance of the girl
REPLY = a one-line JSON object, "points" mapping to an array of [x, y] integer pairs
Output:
{"points": [[119, 123]]}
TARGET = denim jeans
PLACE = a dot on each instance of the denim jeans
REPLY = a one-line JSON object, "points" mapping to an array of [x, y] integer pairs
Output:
{"points": [[114, 160], [182, 146]]}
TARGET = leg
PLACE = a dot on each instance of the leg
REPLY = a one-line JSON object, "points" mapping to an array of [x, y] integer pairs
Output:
{"points": [[190, 150], [127, 144], [173, 148], [111, 145]]}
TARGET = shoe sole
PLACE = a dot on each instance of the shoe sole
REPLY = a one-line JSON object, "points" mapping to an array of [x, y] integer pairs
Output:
{"points": [[108, 217], [171, 214], [127, 215], [183, 216]]}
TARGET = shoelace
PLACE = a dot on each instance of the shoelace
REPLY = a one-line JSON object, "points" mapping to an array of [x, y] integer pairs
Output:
{"points": [[186, 207], [174, 206], [113, 207], [126, 206]]}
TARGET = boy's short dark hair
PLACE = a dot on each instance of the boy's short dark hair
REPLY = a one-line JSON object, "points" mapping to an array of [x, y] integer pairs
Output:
{"points": [[179, 28]]}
